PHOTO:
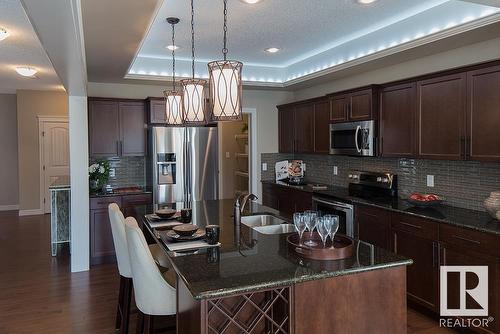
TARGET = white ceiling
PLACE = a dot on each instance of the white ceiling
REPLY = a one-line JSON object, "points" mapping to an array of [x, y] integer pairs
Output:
{"points": [[314, 36], [22, 48]]}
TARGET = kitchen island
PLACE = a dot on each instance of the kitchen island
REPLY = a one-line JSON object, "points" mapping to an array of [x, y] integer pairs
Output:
{"points": [[253, 283]]}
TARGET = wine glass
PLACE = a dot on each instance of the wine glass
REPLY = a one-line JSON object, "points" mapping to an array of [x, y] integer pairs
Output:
{"points": [[335, 227], [321, 226], [311, 224], [300, 224], [328, 222]]}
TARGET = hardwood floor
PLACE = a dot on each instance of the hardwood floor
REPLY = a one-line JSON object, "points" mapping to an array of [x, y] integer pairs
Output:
{"points": [[38, 294]]}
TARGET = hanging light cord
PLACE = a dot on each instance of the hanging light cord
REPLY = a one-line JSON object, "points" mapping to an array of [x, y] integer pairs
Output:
{"points": [[192, 35], [224, 50], [173, 56]]}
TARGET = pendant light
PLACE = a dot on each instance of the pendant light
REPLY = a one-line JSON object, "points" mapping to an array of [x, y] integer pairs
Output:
{"points": [[193, 98], [225, 84], [173, 98]]}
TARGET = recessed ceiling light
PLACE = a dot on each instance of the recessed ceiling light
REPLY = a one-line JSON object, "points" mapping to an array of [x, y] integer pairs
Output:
{"points": [[366, 2], [26, 71], [272, 50], [251, 2], [172, 47], [3, 34]]}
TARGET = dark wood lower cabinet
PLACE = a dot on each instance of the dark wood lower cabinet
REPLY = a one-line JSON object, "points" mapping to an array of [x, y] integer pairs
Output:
{"points": [[374, 226], [102, 249], [422, 275], [287, 200]]}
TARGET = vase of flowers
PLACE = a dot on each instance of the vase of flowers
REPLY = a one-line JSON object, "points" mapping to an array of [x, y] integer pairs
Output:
{"points": [[98, 175]]}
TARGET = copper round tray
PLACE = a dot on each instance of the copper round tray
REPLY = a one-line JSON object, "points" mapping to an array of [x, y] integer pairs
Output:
{"points": [[342, 247]]}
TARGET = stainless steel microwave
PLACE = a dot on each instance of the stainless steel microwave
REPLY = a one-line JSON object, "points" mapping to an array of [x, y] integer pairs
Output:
{"points": [[353, 138]]}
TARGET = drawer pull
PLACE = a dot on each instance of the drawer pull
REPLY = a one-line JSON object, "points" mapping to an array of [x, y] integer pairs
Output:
{"points": [[411, 225], [467, 240]]}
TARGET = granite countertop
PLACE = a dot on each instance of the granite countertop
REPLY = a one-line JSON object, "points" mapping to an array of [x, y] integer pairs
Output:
{"points": [[260, 261], [62, 182], [477, 220], [112, 194]]}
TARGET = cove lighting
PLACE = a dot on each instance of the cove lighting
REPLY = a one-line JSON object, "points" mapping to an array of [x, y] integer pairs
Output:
{"points": [[172, 47], [251, 2], [365, 2]]}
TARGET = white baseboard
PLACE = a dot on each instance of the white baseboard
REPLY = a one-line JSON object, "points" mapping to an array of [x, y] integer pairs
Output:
{"points": [[9, 207], [33, 212]]}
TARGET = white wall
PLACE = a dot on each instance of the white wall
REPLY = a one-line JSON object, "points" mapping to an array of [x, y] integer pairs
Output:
{"points": [[470, 54], [9, 190], [264, 101]]}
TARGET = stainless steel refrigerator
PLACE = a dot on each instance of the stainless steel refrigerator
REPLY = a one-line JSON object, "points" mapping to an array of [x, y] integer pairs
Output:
{"points": [[184, 164]]}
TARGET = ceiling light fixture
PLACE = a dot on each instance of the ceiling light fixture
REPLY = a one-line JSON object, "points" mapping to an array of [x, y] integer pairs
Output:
{"points": [[193, 98], [3, 34], [225, 84], [173, 98], [172, 47], [26, 71], [272, 50], [365, 2], [251, 2]]}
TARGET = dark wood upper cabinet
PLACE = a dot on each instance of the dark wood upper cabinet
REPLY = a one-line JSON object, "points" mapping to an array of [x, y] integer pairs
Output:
{"points": [[483, 114], [286, 128], [133, 129], [361, 108], [322, 127], [104, 128], [116, 127], [360, 105], [398, 106], [339, 105], [156, 110], [441, 117], [304, 128]]}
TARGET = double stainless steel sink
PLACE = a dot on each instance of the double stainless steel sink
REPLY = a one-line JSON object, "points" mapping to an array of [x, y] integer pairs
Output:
{"points": [[267, 224]]}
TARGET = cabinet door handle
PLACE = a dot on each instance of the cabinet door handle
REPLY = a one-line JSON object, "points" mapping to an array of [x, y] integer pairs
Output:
{"points": [[466, 240], [121, 147], [434, 260], [118, 147], [395, 243], [411, 225]]}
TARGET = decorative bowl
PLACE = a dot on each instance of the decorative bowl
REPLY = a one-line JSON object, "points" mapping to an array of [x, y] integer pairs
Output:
{"points": [[165, 213], [424, 201], [185, 230]]}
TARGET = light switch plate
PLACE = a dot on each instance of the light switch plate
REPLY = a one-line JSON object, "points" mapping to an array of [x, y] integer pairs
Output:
{"points": [[430, 180], [335, 170], [228, 155], [264, 166], [112, 172]]}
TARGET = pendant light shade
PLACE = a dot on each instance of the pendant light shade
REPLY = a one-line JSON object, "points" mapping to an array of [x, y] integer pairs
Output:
{"points": [[193, 101], [173, 107], [193, 97], [173, 98], [225, 84], [225, 89]]}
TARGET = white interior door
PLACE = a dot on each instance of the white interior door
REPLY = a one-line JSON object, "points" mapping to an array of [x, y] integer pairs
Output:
{"points": [[55, 155]]}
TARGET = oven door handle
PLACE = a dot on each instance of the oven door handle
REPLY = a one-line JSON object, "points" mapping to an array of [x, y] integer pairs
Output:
{"points": [[338, 204], [356, 139]]}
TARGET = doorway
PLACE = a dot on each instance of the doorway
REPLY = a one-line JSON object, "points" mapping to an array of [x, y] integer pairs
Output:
{"points": [[54, 155], [236, 156]]}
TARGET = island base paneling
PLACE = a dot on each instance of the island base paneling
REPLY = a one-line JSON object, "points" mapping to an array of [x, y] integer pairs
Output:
{"points": [[369, 302]]}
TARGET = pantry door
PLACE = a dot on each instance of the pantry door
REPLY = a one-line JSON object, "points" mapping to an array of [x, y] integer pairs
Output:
{"points": [[54, 155]]}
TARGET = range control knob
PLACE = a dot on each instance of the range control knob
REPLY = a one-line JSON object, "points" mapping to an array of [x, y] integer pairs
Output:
{"points": [[379, 179], [350, 176], [355, 176], [385, 180]]}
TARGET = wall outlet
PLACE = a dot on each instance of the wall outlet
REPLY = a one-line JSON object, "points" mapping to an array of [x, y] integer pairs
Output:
{"points": [[335, 170], [112, 172], [430, 180], [228, 155], [264, 166]]}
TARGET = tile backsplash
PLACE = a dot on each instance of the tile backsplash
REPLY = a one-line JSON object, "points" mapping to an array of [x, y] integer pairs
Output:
{"points": [[129, 172], [464, 184]]}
